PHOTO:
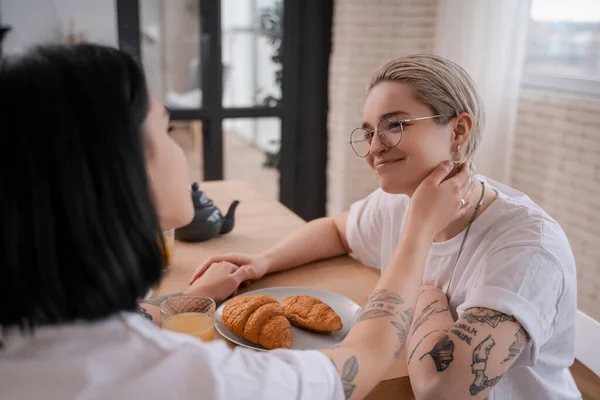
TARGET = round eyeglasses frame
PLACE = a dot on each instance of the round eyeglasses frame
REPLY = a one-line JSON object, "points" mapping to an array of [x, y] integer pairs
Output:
{"points": [[389, 129]]}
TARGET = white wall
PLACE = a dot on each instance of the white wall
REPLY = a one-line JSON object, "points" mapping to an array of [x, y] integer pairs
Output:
{"points": [[43, 21], [556, 161], [364, 37]]}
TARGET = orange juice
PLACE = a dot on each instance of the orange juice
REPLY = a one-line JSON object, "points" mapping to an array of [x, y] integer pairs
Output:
{"points": [[191, 323], [169, 242]]}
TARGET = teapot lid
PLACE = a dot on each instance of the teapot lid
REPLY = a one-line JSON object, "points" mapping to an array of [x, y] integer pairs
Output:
{"points": [[199, 199]]}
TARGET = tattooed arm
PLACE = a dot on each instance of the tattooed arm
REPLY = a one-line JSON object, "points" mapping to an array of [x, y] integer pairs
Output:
{"points": [[379, 333], [462, 359], [432, 317]]}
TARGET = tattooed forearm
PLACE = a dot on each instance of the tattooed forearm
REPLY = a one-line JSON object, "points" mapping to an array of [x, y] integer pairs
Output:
{"points": [[486, 316], [412, 353], [402, 327], [374, 313], [480, 357], [383, 303], [384, 295], [442, 353], [156, 301], [521, 339], [427, 312], [349, 372]]}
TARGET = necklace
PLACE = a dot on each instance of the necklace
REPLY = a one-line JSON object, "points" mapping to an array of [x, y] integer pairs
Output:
{"points": [[462, 244]]}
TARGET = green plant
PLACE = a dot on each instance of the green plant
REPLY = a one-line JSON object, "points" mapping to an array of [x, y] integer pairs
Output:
{"points": [[271, 27]]}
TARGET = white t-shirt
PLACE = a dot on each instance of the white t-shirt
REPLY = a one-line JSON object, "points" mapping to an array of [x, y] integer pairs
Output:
{"points": [[516, 260], [127, 357]]}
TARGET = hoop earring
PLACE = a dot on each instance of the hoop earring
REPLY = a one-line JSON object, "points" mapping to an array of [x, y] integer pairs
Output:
{"points": [[457, 155]]}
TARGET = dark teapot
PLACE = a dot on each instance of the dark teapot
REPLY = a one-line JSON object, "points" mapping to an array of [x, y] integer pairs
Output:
{"points": [[208, 221]]}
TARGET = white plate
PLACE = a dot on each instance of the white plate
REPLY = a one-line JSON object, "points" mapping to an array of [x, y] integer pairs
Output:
{"points": [[303, 340]]}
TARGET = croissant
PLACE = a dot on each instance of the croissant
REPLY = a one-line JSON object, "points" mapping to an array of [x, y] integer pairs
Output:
{"points": [[311, 313], [258, 319]]}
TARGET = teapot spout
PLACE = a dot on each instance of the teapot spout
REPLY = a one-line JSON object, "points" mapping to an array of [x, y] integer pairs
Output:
{"points": [[229, 219]]}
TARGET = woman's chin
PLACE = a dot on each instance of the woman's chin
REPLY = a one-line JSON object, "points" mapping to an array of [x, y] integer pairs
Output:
{"points": [[394, 187]]}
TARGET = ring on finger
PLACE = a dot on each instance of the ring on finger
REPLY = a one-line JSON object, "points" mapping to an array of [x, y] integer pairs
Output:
{"points": [[462, 203]]}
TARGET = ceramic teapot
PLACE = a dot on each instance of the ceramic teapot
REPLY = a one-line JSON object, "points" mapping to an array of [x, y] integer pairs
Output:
{"points": [[208, 221]]}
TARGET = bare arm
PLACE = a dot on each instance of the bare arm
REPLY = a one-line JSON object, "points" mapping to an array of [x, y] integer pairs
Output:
{"points": [[379, 333], [462, 359], [319, 239]]}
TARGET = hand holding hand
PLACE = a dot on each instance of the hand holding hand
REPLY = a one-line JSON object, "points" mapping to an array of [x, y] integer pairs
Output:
{"points": [[220, 280], [258, 265]]}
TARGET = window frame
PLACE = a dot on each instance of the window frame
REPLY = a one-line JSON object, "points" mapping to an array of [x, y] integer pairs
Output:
{"points": [[582, 85], [562, 83]]}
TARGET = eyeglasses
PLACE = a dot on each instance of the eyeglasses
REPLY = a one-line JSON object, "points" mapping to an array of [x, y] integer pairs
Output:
{"points": [[389, 130]]}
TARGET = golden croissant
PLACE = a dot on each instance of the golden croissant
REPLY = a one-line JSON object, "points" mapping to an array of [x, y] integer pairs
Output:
{"points": [[311, 313], [259, 319]]}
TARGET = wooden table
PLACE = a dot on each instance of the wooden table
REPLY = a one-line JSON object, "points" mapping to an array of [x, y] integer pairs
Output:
{"points": [[260, 223]]}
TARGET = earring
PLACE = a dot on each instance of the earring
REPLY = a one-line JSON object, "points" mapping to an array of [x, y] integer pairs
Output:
{"points": [[457, 155]]}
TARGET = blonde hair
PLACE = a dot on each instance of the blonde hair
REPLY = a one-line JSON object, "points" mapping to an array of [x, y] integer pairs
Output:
{"points": [[443, 86]]}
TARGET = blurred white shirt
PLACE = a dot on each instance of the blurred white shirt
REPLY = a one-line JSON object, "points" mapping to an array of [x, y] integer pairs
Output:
{"points": [[127, 357]]}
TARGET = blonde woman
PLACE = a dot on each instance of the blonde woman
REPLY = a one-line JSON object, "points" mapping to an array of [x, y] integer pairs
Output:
{"points": [[495, 315]]}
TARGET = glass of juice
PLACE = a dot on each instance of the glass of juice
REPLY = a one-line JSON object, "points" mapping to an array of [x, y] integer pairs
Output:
{"points": [[169, 242], [190, 314]]}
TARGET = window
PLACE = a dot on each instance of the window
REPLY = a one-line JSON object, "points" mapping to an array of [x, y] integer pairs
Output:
{"points": [[563, 47], [57, 21]]}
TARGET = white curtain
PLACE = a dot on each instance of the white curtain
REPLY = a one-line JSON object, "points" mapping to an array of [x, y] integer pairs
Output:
{"points": [[487, 38]]}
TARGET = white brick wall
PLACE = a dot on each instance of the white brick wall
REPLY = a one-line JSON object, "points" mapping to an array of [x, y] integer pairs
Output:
{"points": [[556, 161], [366, 34]]}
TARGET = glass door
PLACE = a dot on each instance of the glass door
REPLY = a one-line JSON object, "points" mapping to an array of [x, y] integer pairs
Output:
{"points": [[220, 69]]}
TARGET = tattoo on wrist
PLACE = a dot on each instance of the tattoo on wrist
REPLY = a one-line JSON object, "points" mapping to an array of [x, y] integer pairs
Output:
{"points": [[384, 295], [486, 316], [442, 353], [427, 313], [156, 301], [384, 303]]}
